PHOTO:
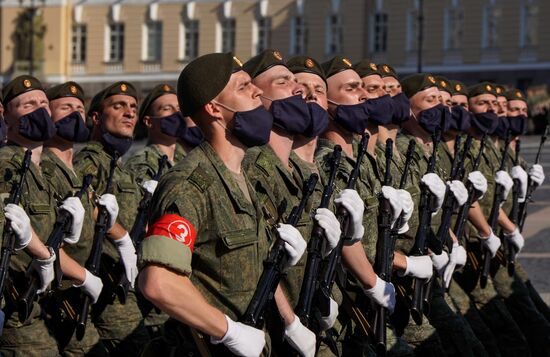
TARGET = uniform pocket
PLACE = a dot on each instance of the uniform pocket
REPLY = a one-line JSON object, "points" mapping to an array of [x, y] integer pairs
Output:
{"points": [[239, 260], [127, 187], [39, 208]]}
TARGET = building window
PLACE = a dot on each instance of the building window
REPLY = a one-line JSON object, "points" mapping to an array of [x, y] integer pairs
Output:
{"points": [[191, 39], [454, 21], [333, 35], [298, 36], [491, 20], [529, 25], [116, 42], [228, 35], [78, 43], [154, 41], [264, 34], [412, 30], [380, 32]]}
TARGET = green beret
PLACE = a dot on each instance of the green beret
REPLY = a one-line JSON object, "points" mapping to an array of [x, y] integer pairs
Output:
{"points": [[443, 84], [263, 61], [20, 85], [458, 88], [481, 88], [305, 64], [124, 88], [68, 89], [515, 94], [366, 68], [204, 78], [500, 90], [157, 91], [417, 82], [386, 70], [335, 65]]}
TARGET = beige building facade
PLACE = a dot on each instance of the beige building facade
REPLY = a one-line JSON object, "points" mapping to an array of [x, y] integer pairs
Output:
{"points": [[95, 42]]}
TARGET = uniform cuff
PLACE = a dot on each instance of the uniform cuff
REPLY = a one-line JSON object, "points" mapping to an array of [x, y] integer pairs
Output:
{"points": [[166, 252]]}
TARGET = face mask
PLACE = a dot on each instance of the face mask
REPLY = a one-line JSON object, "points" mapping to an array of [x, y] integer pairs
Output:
{"points": [[290, 114], [380, 109], [518, 125], [37, 126], [502, 127], [191, 136], [318, 122], [401, 109], [253, 127], [72, 128], [353, 117], [460, 118], [435, 117], [3, 131], [170, 125], [485, 122], [114, 144]]}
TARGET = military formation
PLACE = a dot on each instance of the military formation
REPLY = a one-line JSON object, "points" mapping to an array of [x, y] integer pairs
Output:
{"points": [[280, 206]]}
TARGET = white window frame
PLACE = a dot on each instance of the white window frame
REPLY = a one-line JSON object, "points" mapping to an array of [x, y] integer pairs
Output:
{"points": [[298, 44], [79, 47], [147, 43], [109, 43], [333, 34]]}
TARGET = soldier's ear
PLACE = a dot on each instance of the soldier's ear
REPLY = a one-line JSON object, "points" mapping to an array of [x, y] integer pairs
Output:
{"points": [[96, 118], [147, 121], [213, 110]]}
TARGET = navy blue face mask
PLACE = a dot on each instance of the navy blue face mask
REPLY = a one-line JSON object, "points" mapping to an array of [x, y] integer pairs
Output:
{"points": [[318, 122], [291, 114], [485, 122], [191, 136], [518, 125], [3, 131], [253, 127], [114, 144], [401, 109], [380, 109], [435, 117], [171, 124], [37, 125], [461, 119], [502, 128], [353, 117], [72, 128]]}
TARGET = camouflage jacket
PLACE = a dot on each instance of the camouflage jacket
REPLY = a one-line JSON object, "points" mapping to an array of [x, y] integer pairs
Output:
{"points": [[144, 164]]}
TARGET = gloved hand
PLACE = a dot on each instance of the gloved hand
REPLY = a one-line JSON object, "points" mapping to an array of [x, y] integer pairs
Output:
{"points": [[420, 267], [383, 294], [392, 196], [328, 321], [127, 253], [21, 225], [150, 186], [74, 207], [300, 338], [328, 221], [518, 173], [439, 261], [516, 239], [44, 269], [459, 191], [492, 243], [408, 209], [457, 259], [503, 178], [536, 174], [479, 182], [437, 188], [354, 205], [91, 286], [242, 339], [109, 202], [295, 245]]}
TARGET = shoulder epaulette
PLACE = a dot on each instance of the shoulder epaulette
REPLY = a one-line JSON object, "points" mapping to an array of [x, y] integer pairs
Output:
{"points": [[263, 163], [200, 178]]}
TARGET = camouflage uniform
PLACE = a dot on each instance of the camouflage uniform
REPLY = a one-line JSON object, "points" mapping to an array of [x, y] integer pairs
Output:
{"points": [[120, 326], [230, 230], [145, 163], [32, 337]]}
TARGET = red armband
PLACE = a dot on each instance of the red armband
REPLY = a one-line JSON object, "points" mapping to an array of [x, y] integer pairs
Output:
{"points": [[174, 227]]}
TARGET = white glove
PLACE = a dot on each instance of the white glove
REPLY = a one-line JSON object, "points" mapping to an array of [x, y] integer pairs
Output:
{"points": [[503, 178], [295, 245], [420, 267], [150, 186], [457, 259], [408, 208], [44, 269], [109, 202], [437, 188], [440, 261], [21, 225], [127, 253], [516, 239], [392, 196], [91, 286], [328, 221], [300, 338], [479, 182], [74, 207], [459, 191], [328, 321], [354, 204], [518, 173], [536, 174], [383, 294], [492, 243], [242, 339]]}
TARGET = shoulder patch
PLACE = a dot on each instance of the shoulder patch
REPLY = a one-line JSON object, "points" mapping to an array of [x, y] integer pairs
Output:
{"points": [[200, 179]]}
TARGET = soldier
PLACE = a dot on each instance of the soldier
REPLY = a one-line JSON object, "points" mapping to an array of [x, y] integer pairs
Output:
{"points": [[3, 126], [189, 137], [113, 114], [29, 126], [459, 94], [207, 219], [392, 86]]}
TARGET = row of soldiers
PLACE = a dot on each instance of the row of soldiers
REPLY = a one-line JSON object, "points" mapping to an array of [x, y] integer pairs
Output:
{"points": [[238, 142]]}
